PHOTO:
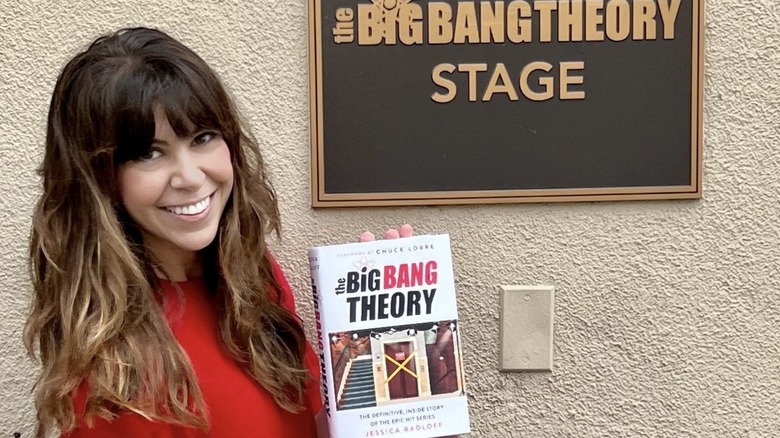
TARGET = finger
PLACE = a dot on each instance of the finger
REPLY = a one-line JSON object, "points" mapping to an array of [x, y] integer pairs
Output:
{"points": [[367, 236], [392, 233], [406, 230]]}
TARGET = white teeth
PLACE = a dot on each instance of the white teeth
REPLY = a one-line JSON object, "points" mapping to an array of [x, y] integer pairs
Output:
{"points": [[196, 208]]}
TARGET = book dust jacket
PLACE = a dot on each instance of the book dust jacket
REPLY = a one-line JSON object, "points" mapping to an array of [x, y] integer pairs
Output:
{"points": [[389, 338]]}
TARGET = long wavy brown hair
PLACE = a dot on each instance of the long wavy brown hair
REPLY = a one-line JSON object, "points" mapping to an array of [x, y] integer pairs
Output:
{"points": [[96, 318]]}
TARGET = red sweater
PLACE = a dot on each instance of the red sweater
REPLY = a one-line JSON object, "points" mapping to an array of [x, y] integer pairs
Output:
{"points": [[237, 405]]}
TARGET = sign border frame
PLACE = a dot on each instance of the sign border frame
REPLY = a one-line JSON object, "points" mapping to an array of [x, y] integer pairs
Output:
{"points": [[320, 199]]}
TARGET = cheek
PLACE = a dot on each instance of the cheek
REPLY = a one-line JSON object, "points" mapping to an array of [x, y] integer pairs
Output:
{"points": [[224, 166], [137, 189]]}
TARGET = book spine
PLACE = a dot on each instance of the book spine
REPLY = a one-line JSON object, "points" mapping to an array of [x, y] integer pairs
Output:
{"points": [[325, 377]]}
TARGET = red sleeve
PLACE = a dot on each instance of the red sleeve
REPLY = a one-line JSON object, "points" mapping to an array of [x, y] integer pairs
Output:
{"points": [[310, 360]]}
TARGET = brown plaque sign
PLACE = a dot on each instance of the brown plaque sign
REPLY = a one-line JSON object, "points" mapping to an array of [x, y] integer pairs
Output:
{"points": [[461, 102]]}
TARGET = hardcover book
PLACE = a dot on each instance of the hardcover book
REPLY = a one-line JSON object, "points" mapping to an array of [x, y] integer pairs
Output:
{"points": [[389, 338]]}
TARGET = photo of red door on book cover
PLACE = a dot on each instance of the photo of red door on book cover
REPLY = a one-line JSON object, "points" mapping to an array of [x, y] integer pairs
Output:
{"points": [[400, 366], [396, 364]]}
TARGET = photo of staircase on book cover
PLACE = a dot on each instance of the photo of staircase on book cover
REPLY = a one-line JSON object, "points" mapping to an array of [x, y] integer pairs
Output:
{"points": [[390, 340]]}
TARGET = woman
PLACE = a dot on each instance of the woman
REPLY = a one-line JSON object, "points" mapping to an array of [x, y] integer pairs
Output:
{"points": [[157, 308]]}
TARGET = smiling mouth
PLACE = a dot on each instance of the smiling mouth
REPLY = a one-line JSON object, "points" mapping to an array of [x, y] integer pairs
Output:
{"points": [[192, 209]]}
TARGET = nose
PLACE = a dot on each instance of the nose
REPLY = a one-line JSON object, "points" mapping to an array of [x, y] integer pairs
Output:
{"points": [[188, 173]]}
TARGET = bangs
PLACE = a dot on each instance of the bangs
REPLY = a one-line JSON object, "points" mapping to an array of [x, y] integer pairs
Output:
{"points": [[185, 98]]}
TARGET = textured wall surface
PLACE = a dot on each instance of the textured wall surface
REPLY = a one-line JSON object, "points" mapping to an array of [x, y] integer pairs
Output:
{"points": [[667, 320]]}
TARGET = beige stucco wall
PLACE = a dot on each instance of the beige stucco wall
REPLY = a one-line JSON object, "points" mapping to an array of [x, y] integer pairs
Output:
{"points": [[667, 319]]}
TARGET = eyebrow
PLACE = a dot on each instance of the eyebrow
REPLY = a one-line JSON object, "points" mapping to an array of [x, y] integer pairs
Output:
{"points": [[158, 141]]}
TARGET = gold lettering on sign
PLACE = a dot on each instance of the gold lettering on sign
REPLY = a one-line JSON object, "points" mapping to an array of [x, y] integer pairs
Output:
{"points": [[344, 32], [619, 23], [518, 21], [410, 24], [370, 29], [472, 70], [669, 10], [444, 83], [492, 22], [518, 18], [500, 81], [644, 20], [566, 80], [439, 23], [545, 9], [545, 81], [466, 25], [500, 73], [570, 21], [407, 22], [389, 21], [594, 19]]}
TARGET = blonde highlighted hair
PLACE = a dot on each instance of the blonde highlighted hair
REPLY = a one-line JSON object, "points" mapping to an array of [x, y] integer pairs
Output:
{"points": [[96, 318]]}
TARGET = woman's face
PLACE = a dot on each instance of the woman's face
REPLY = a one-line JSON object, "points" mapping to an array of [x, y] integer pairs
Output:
{"points": [[177, 193]]}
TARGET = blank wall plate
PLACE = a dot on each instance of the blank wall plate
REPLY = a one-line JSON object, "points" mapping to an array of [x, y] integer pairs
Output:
{"points": [[526, 328]]}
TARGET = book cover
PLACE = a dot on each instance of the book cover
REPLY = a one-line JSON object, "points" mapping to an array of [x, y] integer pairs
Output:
{"points": [[389, 338]]}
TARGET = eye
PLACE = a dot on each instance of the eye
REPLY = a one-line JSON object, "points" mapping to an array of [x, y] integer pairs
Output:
{"points": [[149, 155], [204, 137]]}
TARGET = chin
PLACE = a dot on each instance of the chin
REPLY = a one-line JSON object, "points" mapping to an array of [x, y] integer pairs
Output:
{"points": [[195, 243]]}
